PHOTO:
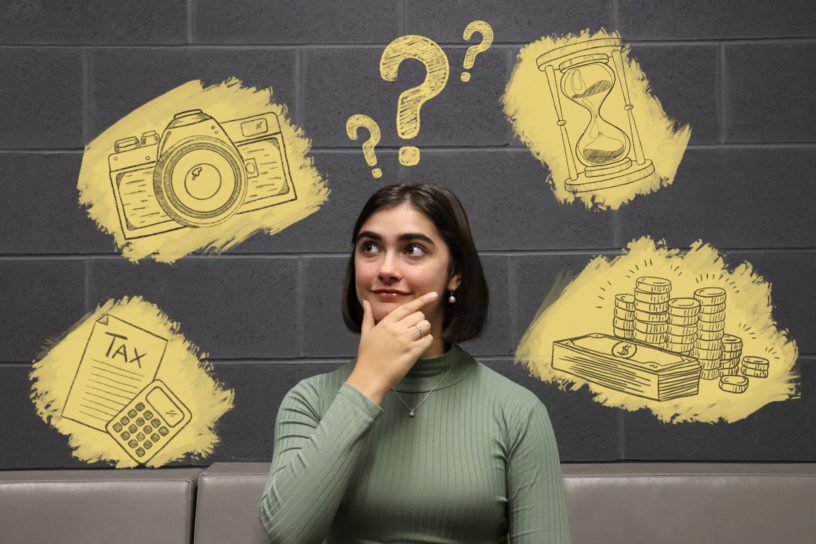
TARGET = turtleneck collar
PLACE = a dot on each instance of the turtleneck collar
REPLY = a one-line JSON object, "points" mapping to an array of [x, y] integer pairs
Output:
{"points": [[428, 371]]}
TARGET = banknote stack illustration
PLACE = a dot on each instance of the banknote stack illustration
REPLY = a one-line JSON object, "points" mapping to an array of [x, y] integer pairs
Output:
{"points": [[652, 296], [682, 330], [623, 324], [628, 366], [708, 348]]}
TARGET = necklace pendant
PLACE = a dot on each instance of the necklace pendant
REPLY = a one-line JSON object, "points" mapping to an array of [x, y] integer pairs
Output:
{"points": [[411, 413]]}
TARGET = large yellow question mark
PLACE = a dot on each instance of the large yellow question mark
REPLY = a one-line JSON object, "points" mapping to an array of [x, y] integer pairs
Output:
{"points": [[487, 40], [436, 64], [354, 124]]}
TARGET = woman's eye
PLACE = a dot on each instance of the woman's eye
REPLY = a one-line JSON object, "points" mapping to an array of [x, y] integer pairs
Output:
{"points": [[415, 250], [367, 247]]}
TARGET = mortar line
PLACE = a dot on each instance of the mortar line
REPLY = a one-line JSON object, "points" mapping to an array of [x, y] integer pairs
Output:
{"points": [[723, 98]]}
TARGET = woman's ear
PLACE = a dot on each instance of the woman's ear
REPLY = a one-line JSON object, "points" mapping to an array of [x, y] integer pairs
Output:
{"points": [[455, 281]]}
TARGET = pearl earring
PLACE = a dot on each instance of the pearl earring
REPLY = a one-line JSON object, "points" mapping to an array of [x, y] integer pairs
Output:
{"points": [[451, 297]]}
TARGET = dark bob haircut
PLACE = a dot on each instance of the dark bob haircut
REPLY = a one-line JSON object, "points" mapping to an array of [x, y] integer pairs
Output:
{"points": [[466, 318]]}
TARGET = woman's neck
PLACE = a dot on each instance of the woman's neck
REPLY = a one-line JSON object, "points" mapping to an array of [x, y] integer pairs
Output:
{"points": [[438, 347]]}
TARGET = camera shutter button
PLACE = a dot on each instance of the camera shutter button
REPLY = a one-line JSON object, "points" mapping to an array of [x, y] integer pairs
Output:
{"points": [[150, 138]]}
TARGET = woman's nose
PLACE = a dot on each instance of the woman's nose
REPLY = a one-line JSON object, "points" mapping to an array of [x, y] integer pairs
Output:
{"points": [[389, 266]]}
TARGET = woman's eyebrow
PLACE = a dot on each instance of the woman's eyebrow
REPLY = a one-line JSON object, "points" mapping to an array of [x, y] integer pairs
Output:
{"points": [[404, 237]]}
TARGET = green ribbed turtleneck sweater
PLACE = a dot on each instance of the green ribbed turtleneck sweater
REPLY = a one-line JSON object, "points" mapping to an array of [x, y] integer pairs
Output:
{"points": [[477, 464]]}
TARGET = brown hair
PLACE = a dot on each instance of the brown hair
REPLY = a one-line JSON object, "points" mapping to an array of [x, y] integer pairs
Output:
{"points": [[466, 318]]}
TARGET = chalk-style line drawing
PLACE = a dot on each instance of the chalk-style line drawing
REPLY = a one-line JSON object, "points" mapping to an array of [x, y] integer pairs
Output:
{"points": [[119, 360], [628, 366], [483, 28], [198, 173], [586, 72], [671, 337], [153, 418], [693, 328], [410, 102], [353, 125]]}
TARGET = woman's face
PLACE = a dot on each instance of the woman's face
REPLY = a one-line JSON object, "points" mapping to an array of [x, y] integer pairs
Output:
{"points": [[399, 255]]}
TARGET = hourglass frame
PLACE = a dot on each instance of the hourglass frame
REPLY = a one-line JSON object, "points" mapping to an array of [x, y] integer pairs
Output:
{"points": [[624, 166]]}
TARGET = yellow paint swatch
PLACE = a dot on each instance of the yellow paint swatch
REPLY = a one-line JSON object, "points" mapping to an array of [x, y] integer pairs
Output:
{"points": [[585, 109], [676, 333], [126, 386], [199, 168]]}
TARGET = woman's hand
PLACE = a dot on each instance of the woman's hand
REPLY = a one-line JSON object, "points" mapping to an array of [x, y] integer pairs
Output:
{"points": [[390, 348]]}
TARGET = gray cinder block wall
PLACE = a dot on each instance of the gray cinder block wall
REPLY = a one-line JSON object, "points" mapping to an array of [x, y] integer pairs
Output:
{"points": [[741, 73]]}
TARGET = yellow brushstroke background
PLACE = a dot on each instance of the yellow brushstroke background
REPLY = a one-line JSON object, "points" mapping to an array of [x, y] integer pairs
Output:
{"points": [[225, 101], [183, 369], [529, 107], [586, 305]]}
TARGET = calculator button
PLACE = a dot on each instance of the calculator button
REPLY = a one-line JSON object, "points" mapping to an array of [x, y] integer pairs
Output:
{"points": [[140, 422], [140, 452], [140, 406], [148, 429], [125, 435], [155, 422], [132, 413], [133, 443], [125, 420], [148, 415], [163, 431], [117, 427], [133, 428], [148, 444], [154, 437]]}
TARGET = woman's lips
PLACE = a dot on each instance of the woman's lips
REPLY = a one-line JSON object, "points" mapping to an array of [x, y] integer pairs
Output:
{"points": [[389, 295]]}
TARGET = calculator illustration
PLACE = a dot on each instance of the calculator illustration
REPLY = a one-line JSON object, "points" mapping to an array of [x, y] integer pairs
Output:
{"points": [[149, 421]]}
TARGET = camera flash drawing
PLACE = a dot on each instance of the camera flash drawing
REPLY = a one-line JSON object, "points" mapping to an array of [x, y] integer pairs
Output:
{"points": [[199, 168]]}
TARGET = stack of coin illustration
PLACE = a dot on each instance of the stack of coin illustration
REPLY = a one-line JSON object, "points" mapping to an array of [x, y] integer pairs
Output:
{"points": [[652, 296], [731, 353], [710, 330], [682, 330], [734, 384], [755, 367], [623, 324]]}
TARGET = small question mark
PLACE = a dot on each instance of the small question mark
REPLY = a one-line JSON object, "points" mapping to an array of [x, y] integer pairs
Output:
{"points": [[355, 123], [487, 40], [436, 64]]}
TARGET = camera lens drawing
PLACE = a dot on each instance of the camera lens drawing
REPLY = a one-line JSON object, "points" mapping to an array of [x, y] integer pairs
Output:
{"points": [[199, 173]]}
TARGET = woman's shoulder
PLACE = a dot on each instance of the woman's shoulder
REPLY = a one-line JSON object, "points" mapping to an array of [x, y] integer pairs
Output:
{"points": [[320, 389], [506, 391]]}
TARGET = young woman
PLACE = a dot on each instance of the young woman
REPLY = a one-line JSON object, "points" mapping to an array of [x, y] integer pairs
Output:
{"points": [[414, 440]]}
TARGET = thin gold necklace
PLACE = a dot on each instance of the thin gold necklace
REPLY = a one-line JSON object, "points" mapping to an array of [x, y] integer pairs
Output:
{"points": [[412, 411]]}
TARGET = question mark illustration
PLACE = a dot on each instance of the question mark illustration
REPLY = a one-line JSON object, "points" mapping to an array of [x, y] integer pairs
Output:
{"points": [[436, 64], [354, 124], [487, 40]]}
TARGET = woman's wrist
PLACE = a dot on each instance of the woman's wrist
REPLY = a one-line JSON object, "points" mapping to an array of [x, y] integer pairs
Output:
{"points": [[368, 387]]}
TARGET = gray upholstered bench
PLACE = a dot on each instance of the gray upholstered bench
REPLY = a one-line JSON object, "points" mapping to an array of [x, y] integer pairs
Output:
{"points": [[619, 503], [97, 506]]}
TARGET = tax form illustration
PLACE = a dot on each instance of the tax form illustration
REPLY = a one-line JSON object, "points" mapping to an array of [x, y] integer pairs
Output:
{"points": [[119, 360]]}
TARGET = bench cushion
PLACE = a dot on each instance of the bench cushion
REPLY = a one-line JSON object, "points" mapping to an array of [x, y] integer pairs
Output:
{"points": [[90, 506]]}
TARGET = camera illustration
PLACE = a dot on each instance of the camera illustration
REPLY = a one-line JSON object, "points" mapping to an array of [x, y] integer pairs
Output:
{"points": [[199, 173]]}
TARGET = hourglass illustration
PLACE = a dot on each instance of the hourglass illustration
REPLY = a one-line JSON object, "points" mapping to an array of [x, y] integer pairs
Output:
{"points": [[604, 156]]}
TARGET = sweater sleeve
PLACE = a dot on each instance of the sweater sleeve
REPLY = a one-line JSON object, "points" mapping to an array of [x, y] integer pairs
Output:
{"points": [[313, 460], [537, 510]]}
